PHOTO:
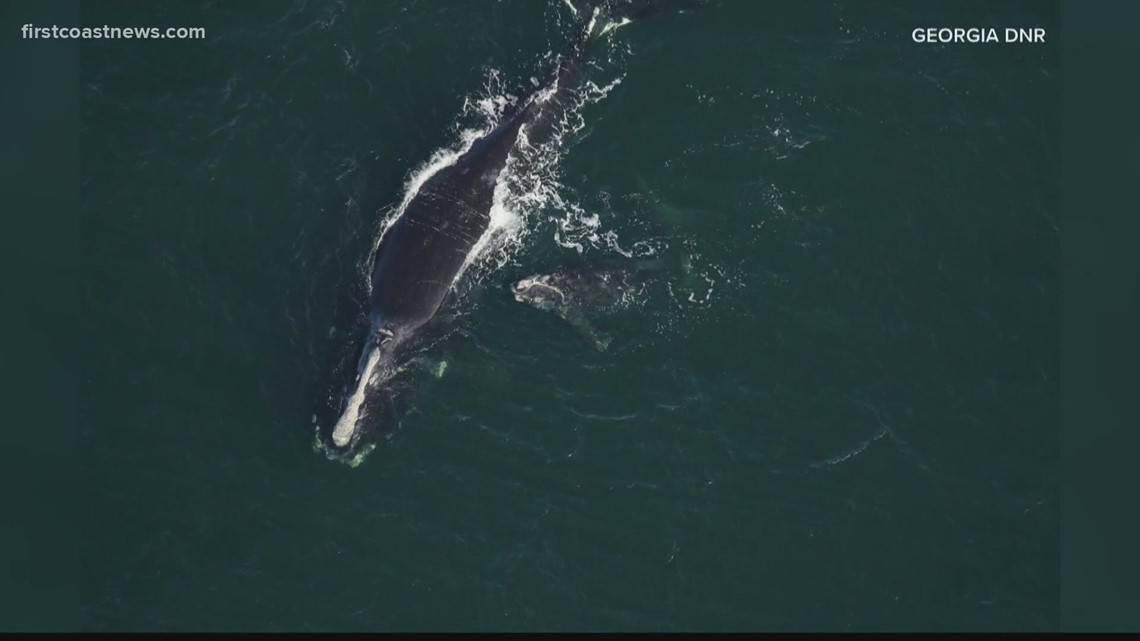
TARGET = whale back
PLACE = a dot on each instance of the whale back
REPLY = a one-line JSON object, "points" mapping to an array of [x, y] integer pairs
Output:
{"points": [[423, 252]]}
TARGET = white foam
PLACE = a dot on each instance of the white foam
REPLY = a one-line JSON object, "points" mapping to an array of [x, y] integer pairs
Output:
{"points": [[615, 25], [530, 182], [593, 20]]}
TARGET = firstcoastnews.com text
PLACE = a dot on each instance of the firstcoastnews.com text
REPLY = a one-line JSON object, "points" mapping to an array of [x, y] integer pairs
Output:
{"points": [[111, 33]]}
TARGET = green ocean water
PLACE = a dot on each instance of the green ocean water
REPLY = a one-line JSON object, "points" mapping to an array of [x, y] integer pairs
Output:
{"points": [[836, 412]]}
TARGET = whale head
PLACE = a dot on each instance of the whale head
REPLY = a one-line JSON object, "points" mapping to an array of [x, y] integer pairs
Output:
{"points": [[544, 292], [366, 397]]}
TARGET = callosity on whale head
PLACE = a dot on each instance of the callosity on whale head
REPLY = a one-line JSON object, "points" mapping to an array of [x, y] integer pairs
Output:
{"points": [[540, 291], [365, 395]]}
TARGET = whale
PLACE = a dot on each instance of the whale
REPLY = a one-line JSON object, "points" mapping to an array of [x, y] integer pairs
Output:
{"points": [[421, 255], [581, 295]]}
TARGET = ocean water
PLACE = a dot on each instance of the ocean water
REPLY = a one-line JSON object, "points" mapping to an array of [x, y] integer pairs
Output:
{"points": [[834, 408]]}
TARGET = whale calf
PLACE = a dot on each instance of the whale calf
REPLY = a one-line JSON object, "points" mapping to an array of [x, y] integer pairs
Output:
{"points": [[580, 295], [424, 250]]}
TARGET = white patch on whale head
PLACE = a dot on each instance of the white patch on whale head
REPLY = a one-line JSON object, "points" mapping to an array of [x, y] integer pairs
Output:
{"points": [[528, 290], [346, 426]]}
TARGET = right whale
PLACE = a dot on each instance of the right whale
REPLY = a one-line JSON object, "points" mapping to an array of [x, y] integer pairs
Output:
{"points": [[579, 294], [438, 230]]}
